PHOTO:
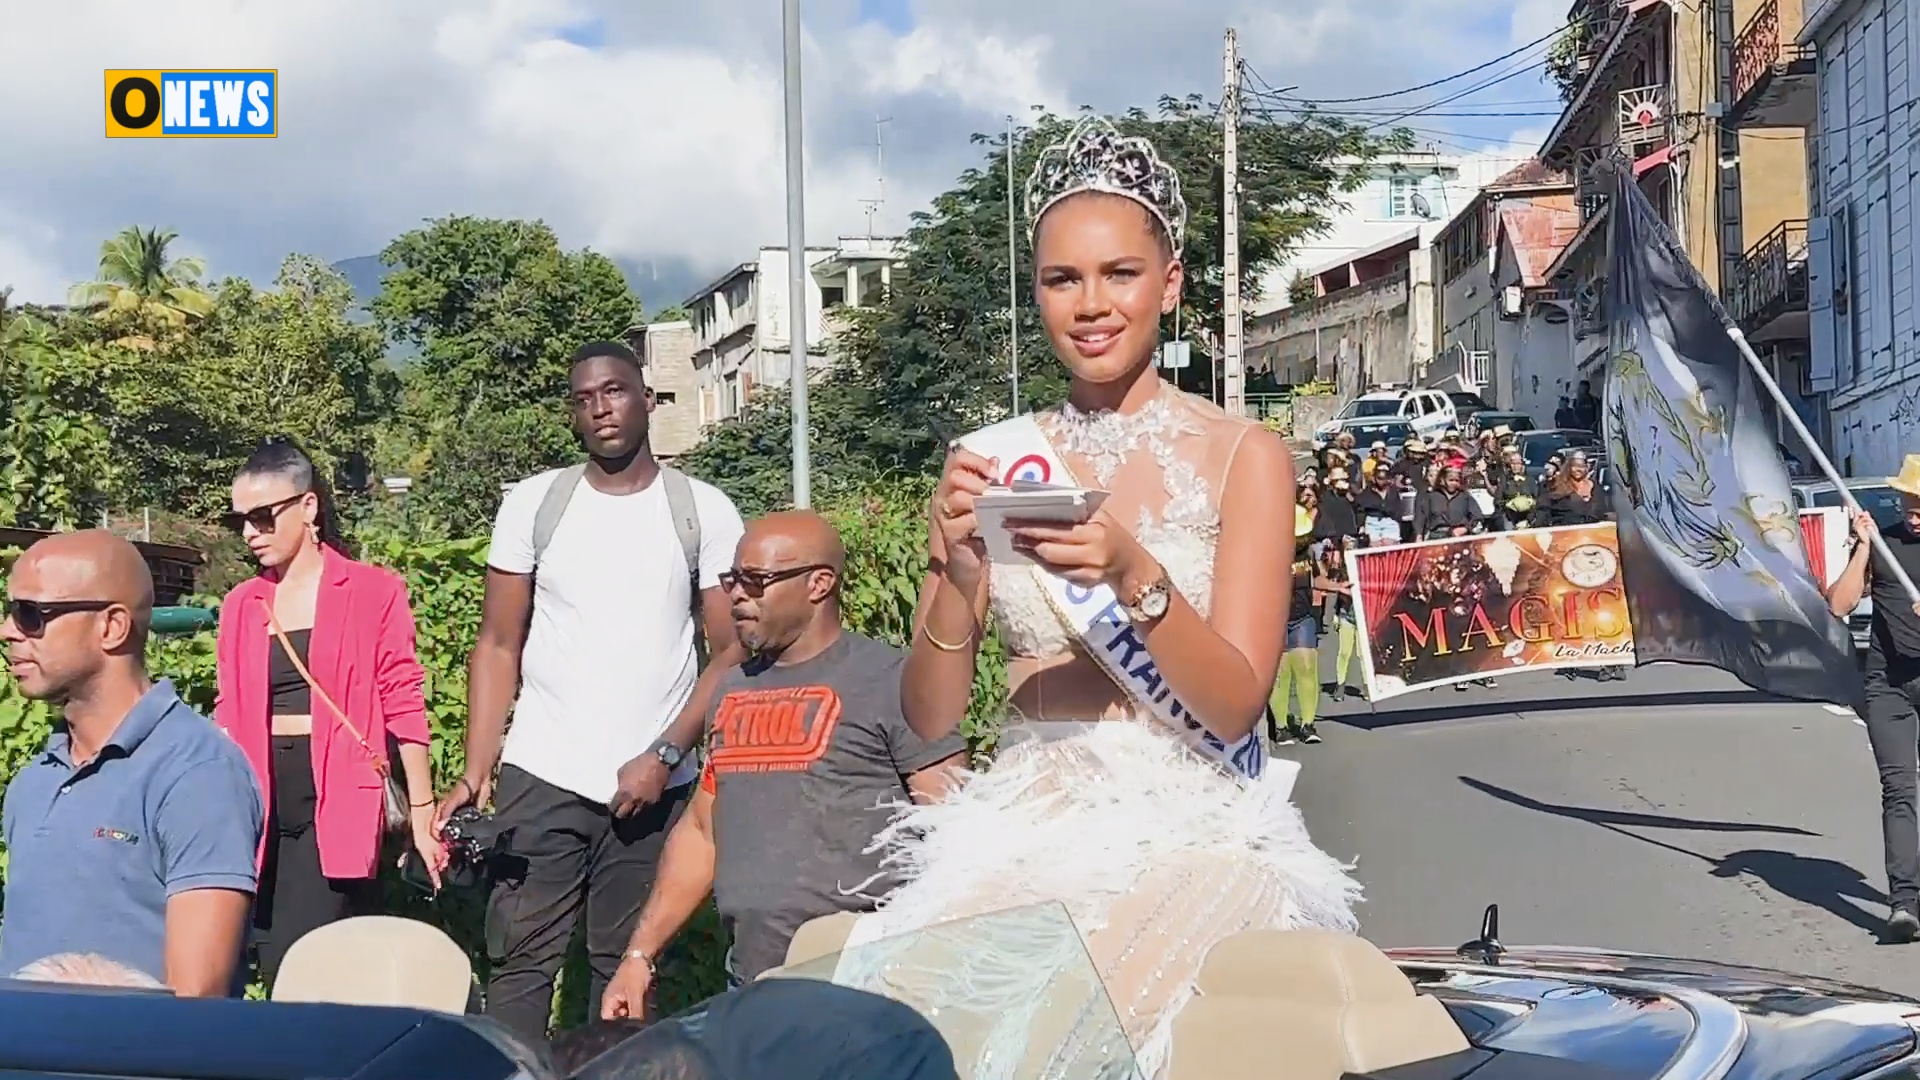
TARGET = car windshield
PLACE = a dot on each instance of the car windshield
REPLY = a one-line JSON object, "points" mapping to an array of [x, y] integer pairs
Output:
{"points": [[1371, 407], [1393, 433], [1877, 499], [1536, 449], [1462, 400], [998, 982]]}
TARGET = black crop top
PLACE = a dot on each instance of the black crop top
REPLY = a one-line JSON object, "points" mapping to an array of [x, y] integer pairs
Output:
{"points": [[290, 693]]}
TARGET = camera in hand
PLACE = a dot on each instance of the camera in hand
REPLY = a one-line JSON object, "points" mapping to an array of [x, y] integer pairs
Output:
{"points": [[476, 845]]}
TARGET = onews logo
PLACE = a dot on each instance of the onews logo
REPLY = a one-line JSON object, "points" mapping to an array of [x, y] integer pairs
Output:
{"points": [[193, 104]]}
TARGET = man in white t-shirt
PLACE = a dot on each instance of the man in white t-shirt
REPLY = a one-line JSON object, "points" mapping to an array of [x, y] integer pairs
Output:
{"points": [[599, 642]]}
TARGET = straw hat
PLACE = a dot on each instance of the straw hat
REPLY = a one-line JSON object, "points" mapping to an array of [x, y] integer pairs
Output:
{"points": [[1908, 482], [1502, 431], [1416, 443], [1302, 522], [1336, 476], [1378, 444]]}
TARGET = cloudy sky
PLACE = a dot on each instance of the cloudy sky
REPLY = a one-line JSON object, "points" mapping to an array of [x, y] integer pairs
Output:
{"points": [[647, 128]]}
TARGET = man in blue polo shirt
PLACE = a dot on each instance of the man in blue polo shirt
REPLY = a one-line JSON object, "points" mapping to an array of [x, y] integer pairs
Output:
{"points": [[133, 835]]}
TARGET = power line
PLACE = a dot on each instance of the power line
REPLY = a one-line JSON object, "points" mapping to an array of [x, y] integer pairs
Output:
{"points": [[1456, 76]]}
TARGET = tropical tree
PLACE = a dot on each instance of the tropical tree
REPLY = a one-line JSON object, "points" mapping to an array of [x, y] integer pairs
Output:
{"points": [[57, 463], [139, 285], [495, 308]]}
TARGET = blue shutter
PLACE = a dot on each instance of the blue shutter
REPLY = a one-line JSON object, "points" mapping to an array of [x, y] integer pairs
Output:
{"points": [[1821, 363]]}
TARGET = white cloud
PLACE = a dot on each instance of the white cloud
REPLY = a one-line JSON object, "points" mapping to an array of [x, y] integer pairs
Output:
{"points": [[29, 261], [664, 141]]}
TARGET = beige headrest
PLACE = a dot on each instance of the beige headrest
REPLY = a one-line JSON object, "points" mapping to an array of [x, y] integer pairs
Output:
{"points": [[1235, 1038], [820, 937], [1323, 966], [377, 960]]}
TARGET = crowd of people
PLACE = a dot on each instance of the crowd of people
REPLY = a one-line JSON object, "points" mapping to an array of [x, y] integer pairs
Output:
{"points": [[1349, 500]]}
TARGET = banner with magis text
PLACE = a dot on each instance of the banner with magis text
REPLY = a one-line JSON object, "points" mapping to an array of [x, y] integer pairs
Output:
{"points": [[1495, 604]]}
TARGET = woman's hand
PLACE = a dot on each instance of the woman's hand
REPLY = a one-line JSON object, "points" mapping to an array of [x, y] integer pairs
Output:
{"points": [[1099, 552], [427, 842], [964, 479]]}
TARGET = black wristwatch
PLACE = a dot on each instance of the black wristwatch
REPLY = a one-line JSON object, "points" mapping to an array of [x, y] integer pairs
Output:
{"points": [[670, 755]]}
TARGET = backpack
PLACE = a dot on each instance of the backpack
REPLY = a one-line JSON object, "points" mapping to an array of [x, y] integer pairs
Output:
{"points": [[680, 506]]}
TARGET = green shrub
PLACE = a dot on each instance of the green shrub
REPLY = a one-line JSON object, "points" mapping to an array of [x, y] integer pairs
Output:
{"points": [[885, 533]]}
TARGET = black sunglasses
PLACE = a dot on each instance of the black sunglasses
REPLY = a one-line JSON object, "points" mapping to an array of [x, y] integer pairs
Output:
{"points": [[32, 616], [262, 518], [755, 582]]}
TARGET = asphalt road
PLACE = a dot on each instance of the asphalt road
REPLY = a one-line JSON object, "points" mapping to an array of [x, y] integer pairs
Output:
{"points": [[1675, 813]]}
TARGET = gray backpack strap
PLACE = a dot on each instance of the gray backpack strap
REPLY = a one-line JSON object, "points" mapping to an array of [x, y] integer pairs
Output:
{"points": [[686, 526], [553, 507], [686, 523]]}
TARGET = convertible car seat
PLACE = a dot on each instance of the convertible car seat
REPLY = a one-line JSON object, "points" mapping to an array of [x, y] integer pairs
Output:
{"points": [[1272, 1005], [1305, 1005], [377, 960]]}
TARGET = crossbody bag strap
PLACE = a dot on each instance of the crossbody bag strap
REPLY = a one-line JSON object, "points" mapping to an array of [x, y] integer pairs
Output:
{"points": [[286, 646]]}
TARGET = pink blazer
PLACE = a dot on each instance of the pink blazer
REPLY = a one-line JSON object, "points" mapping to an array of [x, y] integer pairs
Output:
{"points": [[362, 654]]}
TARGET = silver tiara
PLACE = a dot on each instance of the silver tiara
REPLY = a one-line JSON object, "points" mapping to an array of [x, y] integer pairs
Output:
{"points": [[1096, 157]]}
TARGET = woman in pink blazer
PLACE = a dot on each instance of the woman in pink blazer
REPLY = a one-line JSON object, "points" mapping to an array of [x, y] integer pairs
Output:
{"points": [[317, 635]]}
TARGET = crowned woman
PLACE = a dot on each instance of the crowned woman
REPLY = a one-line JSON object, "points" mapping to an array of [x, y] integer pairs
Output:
{"points": [[1132, 785]]}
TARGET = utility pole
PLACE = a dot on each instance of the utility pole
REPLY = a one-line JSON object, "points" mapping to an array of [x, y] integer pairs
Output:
{"points": [[1234, 396], [797, 306], [1013, 277]]}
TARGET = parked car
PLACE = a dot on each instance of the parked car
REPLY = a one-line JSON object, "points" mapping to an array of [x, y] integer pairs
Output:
{"points": [[1876, 498], [1538, 446], [1465, 407], [1394, 433], [1429, 411], [1488, 419]]}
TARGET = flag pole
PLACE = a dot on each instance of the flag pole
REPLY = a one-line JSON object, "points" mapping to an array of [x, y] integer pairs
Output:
{"points": [[1832, 474]]}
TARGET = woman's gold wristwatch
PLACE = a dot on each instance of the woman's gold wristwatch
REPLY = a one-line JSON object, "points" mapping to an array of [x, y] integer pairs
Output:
{"points": [[1151, 601]]}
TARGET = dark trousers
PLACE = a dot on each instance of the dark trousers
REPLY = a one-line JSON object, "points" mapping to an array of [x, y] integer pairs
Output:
{"points": [[295, 897], [568, 854], [1893, 729]]}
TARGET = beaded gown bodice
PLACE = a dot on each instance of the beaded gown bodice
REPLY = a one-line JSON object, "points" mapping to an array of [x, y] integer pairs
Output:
{"points": [[1164, 466]]}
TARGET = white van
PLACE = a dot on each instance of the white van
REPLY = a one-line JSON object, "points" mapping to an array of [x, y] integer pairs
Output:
{"points": [[1430, 412]]}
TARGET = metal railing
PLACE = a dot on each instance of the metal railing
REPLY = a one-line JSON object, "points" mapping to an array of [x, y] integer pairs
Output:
{"points": [[1758, 49], [1772, 279]]}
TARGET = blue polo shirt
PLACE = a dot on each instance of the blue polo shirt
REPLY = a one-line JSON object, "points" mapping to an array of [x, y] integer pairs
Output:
{"points": [[169, 805]]}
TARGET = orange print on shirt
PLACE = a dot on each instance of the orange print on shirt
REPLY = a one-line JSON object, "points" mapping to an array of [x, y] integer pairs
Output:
{"points": [[783, 730]]}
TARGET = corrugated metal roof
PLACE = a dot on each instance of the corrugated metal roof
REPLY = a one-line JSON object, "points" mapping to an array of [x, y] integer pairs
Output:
{"points": [[1538, 234]]}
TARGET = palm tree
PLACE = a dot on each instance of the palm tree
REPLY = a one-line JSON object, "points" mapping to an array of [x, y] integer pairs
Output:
{"points": [[138, 281]]}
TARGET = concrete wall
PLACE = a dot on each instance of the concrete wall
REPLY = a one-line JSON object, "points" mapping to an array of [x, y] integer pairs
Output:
{"points": [[1357, 337], [668, 350], [1312, 410]]}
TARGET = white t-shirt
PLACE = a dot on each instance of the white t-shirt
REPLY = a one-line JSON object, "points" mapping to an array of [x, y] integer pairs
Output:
{"points": [[609, 661]]}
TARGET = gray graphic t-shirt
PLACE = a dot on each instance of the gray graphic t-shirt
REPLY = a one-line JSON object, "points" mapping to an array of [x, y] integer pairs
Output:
{"points": [[806, 763]]}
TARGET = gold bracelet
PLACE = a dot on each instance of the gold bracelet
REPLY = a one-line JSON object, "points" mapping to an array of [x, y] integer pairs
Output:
{"points": [[926, 631]]}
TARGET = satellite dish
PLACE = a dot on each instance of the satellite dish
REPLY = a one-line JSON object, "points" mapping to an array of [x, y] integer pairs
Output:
{"points": [[1421, 207]]}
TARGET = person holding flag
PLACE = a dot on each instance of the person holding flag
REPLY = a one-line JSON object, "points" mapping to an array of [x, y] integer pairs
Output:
{"points": [[1892, 681], [1711, 557]]}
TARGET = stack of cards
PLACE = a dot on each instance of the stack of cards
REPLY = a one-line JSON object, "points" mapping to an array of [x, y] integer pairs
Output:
{"points": [[1027, 501]]}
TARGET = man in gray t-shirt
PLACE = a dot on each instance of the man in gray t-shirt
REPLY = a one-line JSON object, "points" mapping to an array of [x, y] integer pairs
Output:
{"points": [[808, 757]]}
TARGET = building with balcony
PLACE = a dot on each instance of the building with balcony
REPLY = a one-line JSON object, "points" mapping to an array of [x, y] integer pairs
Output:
{"points": [[741, 322], [1410, 193], [1489, 265], [1668, 91], [1370, 320], [1862, 264]]}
